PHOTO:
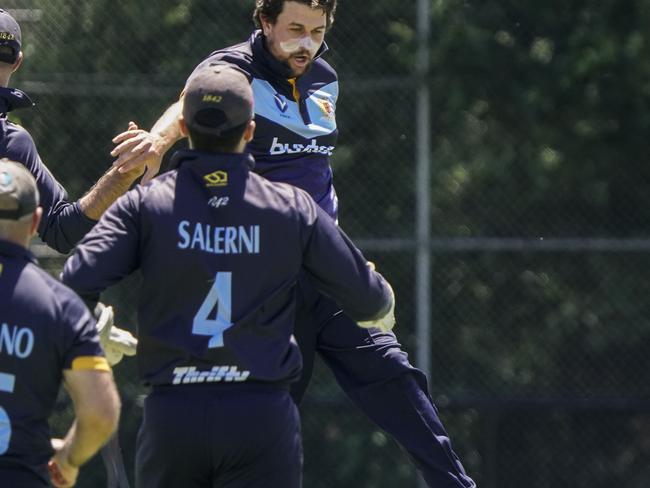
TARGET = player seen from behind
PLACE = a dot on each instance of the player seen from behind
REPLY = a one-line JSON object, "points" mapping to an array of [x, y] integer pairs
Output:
{"points": [[47, 336], [220, 250]]}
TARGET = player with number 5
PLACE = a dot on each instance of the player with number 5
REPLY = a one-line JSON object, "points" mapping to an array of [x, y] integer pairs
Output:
{"points": [[46, 335]]}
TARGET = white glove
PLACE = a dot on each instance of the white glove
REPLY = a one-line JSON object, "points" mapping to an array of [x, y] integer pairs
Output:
{"points": [[387, 322], [116, 342]]}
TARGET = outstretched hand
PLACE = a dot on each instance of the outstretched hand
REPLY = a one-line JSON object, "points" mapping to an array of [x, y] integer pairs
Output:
{"points": [[136, 148]]}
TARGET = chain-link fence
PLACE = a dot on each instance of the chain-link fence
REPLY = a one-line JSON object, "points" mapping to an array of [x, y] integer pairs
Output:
{"points": [[539, 210]]}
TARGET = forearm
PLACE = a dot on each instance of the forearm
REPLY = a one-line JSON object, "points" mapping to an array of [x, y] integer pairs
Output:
{"points": [[85, 437], [167, 128], [107, 189]]}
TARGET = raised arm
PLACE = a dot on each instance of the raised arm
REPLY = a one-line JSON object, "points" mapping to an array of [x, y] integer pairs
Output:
{"points": [[64, 223], [109, 252], [97, 411], [341, 271], [108, 188], [138, 148]]}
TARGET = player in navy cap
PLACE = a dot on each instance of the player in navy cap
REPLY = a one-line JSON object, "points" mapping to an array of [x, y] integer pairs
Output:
{"points": [[10, 38], [220, 250], [63, 222], [47, 336], [296, 93]]}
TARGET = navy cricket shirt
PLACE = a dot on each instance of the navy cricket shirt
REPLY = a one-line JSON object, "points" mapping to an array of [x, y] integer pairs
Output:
{"points": [[63, 223], [44, 329], [220, 250], [295, 118]]}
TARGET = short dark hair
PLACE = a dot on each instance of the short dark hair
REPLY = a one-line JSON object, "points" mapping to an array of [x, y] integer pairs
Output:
{"points": [[225, 143], [270, 9], [8, 55]]}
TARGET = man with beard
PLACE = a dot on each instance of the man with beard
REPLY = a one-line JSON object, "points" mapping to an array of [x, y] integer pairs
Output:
{"points": [[295, 93]]}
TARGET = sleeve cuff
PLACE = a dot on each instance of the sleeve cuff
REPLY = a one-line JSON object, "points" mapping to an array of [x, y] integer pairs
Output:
{"points": [[95, 363]]}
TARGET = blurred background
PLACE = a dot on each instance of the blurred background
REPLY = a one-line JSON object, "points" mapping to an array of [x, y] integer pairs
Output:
{"points": [[492, 161]]}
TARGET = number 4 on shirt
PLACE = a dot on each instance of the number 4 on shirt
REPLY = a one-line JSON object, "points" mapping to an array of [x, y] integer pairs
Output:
{"points": [[220, 295]]}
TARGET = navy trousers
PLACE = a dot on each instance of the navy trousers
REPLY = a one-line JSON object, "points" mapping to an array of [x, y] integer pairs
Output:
{"points": [[374, 371], [226, 436]]}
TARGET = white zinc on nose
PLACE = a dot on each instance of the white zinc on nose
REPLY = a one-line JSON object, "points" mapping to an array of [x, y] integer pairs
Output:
{"points": [[294, 45]]}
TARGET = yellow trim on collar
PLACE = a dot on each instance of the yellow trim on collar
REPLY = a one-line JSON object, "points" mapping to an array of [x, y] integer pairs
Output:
{"points": [[294, 88]]}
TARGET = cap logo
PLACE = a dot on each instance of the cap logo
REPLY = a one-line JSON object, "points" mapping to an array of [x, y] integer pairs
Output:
{"points": [[7, 36], [5, 179], [218, 178], [212, 98]]}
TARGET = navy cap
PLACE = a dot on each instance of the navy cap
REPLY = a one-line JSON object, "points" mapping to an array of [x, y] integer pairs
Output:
{"points": [[18, 191], [9, 36], [217, 98]]}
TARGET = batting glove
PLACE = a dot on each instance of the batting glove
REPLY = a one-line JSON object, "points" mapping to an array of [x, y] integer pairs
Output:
{"points": [[116, 342], [387, 322]]}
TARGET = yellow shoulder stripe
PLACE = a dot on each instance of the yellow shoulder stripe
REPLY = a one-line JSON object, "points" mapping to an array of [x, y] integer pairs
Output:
{"points": [[97, 363]]}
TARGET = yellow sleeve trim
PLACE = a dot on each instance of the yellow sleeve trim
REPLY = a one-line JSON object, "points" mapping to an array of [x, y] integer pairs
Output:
{"points": [[97, 363]]}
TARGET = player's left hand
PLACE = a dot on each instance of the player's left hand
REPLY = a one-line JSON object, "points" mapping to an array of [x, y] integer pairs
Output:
{"points": [[62, 473], [116, 342], [387, 322]]}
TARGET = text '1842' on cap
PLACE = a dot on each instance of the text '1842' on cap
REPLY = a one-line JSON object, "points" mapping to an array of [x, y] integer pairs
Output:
{"points": [[10, 38], [217, 98]]}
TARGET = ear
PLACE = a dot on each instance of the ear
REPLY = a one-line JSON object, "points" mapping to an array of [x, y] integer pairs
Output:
{"points": [[266, 25], [36, 220], [249, 132], [183, 125], [18, 62]]}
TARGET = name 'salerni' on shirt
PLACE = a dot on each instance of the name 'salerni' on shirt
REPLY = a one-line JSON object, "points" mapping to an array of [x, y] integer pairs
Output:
{"points": [[219, 240]]}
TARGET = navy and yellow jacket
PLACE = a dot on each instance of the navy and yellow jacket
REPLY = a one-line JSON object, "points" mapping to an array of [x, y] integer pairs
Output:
{"points": [[296, 118], [63, 223], [220, 250]]}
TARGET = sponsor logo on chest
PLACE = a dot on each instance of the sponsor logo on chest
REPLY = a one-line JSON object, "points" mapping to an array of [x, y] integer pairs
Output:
{"points": [[278, 148]]}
